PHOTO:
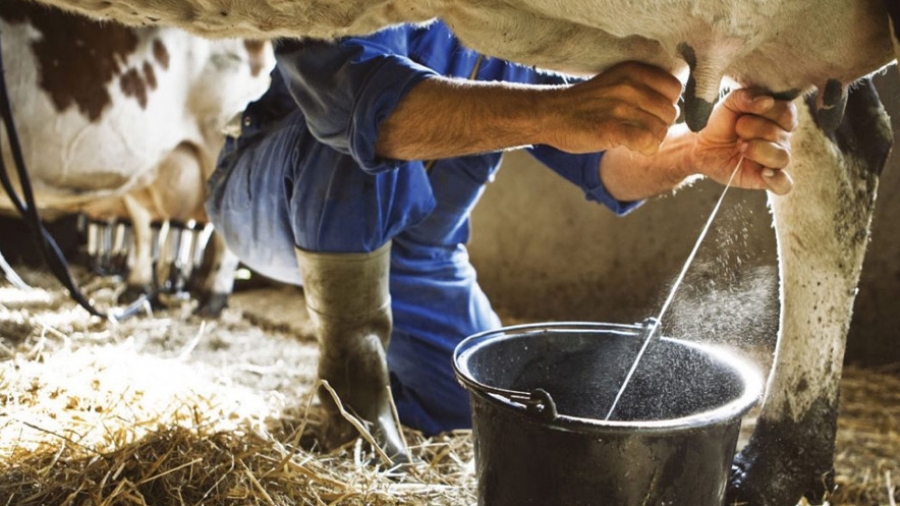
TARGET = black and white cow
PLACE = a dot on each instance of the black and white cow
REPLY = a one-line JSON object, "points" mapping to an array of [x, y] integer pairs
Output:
{"points": [[787, 48]]}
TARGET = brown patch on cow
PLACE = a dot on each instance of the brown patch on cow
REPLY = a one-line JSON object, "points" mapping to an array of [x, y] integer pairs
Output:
{"points": [[78, 58], [150, 75], [132, 85], [161, 54], [11, 13], [255, 54]]}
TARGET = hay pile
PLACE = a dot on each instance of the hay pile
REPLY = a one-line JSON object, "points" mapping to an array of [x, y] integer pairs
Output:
{"points": [[178, 466], [173, 411], [177, 411], [104, 426]]}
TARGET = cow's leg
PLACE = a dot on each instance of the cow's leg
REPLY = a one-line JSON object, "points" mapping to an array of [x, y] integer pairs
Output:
{"points": [[217, 282], [822, 228], [140, 276], [349, 303]]}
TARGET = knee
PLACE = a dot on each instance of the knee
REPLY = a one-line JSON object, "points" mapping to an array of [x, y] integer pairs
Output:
{"points": [[345, 210]]}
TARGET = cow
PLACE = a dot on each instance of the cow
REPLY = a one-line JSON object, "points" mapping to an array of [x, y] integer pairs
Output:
{"points": [[121, 122], [765, 43], [799, 49]]}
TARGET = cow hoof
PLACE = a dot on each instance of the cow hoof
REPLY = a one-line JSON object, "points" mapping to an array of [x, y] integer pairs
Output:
{"points": [[781, 470], [133, 293], [211, 305]]}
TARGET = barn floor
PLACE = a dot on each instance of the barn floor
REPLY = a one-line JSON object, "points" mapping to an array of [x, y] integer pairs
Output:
{"points": [[174, 410]]}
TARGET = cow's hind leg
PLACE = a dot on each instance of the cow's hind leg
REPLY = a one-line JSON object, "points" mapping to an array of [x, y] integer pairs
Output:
{"points": [[216, 282], [822, 228], [139, 282]]}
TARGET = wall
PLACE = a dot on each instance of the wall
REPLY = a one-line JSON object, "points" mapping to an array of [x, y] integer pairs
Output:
{"points": [[543, 252], [874, 334]]}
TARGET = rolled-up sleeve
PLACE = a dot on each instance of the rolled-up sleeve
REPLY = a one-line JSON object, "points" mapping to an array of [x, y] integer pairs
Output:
{"points": [[348, 87], [584, 172]]}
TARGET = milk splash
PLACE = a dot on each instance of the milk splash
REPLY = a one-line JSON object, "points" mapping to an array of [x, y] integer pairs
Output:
{"points": [[654, 324]]}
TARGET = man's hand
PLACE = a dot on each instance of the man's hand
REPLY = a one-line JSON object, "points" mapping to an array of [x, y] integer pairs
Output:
{"points": [[631, 105], [744, 124], [753, 126]]}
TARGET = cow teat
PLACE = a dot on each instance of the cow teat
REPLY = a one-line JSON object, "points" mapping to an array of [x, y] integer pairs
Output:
{"points": [[831, 100], [696, 108]]}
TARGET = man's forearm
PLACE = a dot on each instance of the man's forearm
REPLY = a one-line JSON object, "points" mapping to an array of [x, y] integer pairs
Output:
{"points": [[629, 105], [630, 176], [442, 118]]}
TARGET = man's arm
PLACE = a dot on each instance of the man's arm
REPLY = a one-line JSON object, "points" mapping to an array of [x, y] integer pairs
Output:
{"points": [[626, 112], [631, 105]]}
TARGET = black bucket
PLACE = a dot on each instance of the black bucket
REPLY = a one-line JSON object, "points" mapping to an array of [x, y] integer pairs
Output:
{"points": [[540, 394]]}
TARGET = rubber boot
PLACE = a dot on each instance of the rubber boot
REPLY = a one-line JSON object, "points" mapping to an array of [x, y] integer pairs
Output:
{"points": [[349, 303]]}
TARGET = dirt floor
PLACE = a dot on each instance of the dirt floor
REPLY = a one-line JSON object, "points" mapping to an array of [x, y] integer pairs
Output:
{"points": [[170, 409]]}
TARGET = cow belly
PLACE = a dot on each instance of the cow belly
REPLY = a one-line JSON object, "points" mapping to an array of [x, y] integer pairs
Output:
{"points": [[259, 18], [759, 42]]}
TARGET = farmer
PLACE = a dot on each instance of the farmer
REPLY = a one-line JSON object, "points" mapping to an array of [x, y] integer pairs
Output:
{"points": [[355, 175]]}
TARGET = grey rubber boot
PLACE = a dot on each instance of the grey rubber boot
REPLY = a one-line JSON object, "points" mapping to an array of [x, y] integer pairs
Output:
{"points": [[349, 303]]}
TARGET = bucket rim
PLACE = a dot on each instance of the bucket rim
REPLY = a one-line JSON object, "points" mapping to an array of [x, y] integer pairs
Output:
{"points": [[524, 402]]}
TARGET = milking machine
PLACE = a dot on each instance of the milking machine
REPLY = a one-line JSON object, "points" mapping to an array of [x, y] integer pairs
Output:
{"points": [[176, 252], [108, 245]]}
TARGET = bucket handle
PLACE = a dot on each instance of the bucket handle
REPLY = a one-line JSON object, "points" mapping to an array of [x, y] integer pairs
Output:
{"points": [[538, 401]]}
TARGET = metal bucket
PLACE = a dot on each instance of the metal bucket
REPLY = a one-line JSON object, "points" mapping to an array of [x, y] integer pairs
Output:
{"points": [[540, 394]]}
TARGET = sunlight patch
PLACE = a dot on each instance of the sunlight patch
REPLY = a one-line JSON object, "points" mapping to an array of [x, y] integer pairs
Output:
{"points": [[13, 297], [101, 398]]}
